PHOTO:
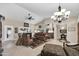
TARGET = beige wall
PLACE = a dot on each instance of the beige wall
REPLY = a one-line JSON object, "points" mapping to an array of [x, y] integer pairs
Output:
{"points": [[72, 35], [72, 32], [15, 15], [44, 24], [10, 23], [13, 24]]}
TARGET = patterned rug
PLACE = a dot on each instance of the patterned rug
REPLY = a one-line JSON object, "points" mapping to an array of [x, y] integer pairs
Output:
{"points": [[35, 45]]}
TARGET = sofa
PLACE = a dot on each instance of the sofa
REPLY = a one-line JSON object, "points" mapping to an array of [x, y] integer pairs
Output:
{"points": [[57, 50]]}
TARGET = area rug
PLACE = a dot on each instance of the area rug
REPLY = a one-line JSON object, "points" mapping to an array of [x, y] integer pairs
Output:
{"points": [[35, 45]]}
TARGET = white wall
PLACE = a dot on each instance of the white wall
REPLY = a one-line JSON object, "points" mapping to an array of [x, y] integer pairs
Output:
{"points": [[72, 32]]}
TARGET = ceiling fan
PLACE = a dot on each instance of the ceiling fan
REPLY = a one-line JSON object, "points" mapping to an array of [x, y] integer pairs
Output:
{"points": [[29, 17], [2, 17]]}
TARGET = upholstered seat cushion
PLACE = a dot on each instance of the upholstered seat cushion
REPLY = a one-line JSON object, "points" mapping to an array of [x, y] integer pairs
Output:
{"points": [[53, 50], [74, 46], [71, 52], [77, 48]]}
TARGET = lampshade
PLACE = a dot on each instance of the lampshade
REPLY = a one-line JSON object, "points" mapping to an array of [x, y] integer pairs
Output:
{"points": [[62, 28], [35, 31], [53, 17], [38, 31], [67, 13], [59, 19], [50, 31], [58, 13], [63, 10]]}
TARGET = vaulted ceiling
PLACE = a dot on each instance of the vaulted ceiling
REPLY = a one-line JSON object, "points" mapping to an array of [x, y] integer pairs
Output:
{"points": [[39, 11], [47, 9]]}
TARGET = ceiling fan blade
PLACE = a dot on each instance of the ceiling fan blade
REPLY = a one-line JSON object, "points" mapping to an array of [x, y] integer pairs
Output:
{"points": [[30, 17]]}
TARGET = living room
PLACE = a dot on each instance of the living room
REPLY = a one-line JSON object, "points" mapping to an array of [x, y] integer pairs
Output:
{"points": [[36, 29]]}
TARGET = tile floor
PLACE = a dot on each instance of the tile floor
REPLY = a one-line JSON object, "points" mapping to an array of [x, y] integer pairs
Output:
{"points": [[10, 49]]}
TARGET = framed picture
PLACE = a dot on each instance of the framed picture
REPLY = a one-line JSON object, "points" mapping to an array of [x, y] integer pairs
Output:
{"points": [[71, 28], [26, 24], [63, 31], [40, 26]]}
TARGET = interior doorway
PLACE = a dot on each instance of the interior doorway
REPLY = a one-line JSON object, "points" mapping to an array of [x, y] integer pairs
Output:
{"points": [[9, 33], [62, 31]]}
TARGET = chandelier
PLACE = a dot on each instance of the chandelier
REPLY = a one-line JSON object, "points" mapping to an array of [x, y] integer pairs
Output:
{"points": [[60, 15]]}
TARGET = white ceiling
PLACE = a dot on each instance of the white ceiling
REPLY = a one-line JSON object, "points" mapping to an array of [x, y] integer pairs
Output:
{"points": [[38, 10], [14, 12], [47, 9]]}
